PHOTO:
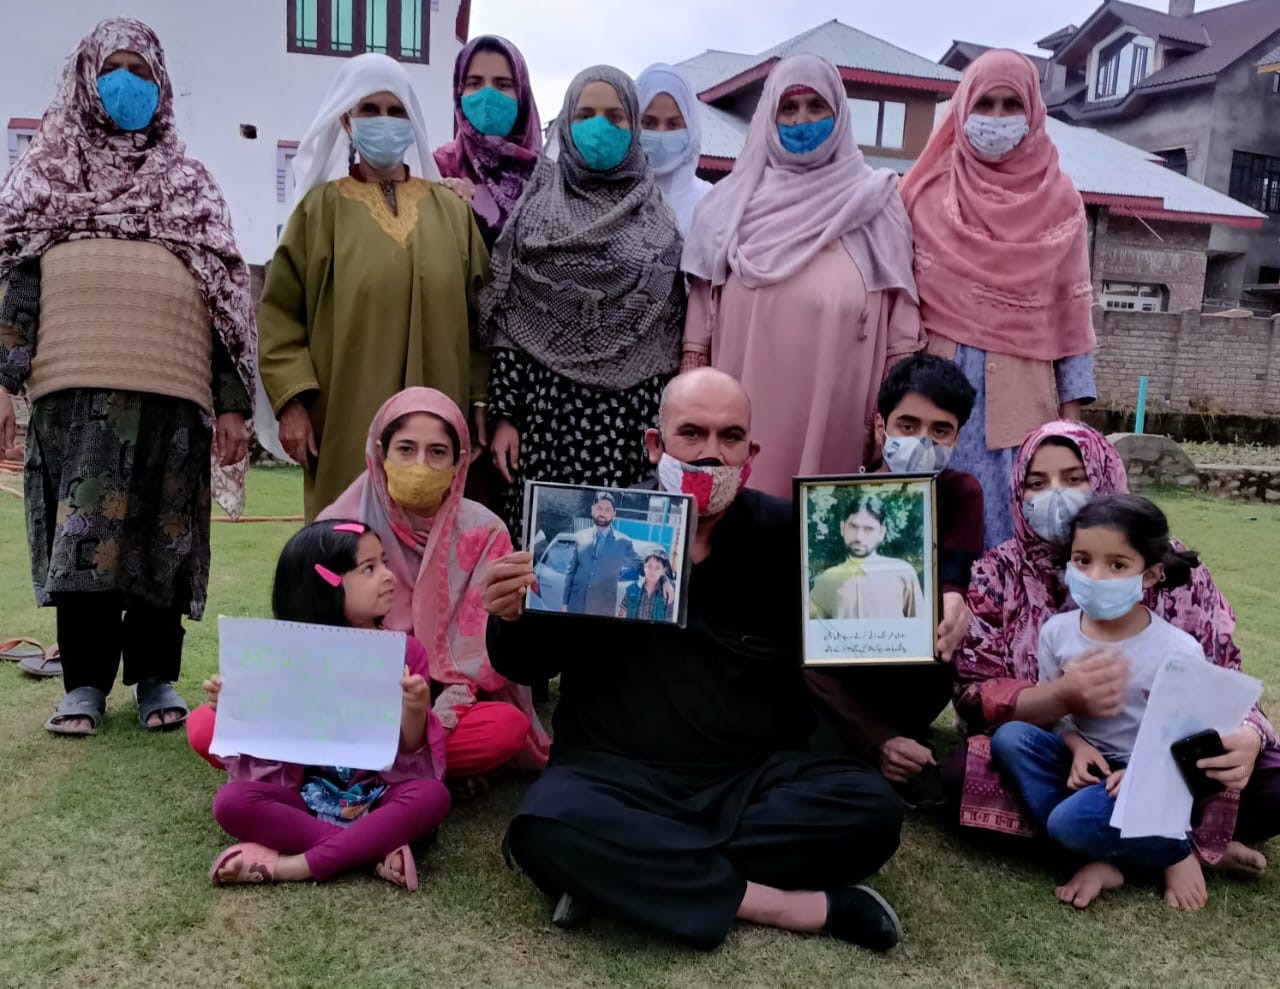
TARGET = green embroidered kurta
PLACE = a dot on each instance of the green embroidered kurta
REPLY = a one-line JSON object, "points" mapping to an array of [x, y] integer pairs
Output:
{"points": [[360, 303]]}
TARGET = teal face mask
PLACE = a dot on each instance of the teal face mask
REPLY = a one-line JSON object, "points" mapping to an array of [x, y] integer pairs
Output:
{"points": [[602, 145], [490, 112]]}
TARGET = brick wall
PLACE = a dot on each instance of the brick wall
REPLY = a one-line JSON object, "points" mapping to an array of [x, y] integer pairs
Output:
{"points": [[1155, 251], [1193, 361]]}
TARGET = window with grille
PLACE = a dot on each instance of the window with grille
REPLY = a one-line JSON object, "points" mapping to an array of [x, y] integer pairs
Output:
{"points": [[399, 28], [1255, 181], [1135, 297]]}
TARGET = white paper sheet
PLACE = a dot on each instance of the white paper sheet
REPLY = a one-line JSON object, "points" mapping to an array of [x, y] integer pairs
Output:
{"points": [[317, 695], [1188, 696]]}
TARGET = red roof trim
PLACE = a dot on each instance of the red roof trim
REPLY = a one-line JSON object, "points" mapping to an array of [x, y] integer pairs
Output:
{"points": [[24, 123], [740, 81], [872, 78], [1122, 202], [1247, 222], [867, 77], [1153, 208], [713, 164], [286, 144]]}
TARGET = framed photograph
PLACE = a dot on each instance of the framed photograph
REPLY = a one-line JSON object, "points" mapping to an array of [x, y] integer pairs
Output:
{"points": [[609, 553], [869, 587]]}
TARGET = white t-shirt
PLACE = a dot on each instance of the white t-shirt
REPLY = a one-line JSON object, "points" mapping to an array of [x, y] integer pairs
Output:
{"points": [[1061, 641]]}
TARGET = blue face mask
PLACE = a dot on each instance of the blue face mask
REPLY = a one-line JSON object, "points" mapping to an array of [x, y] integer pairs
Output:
{"points": [[490, 112], [382, 141], [1104, 600], [666, 149], [800, 139], [130, 101], [1050, 513], [602, 144]]}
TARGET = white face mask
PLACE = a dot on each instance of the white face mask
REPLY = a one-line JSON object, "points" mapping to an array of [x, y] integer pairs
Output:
{"points": [[995, 137], [915, 454], [666, 149]]}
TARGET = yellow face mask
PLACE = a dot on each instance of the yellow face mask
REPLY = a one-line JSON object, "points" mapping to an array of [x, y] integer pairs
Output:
{"points": [[417, 487]]}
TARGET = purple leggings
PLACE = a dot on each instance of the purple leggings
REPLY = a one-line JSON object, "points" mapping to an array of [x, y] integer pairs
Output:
{"points": [[276, 816]]}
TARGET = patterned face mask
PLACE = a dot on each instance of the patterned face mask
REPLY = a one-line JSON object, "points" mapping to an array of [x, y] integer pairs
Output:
{"points": [[712, 484], [995, 137]]}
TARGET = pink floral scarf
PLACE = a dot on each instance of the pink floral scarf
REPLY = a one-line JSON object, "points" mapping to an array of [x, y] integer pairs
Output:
{"points": [[439, 567], [1013, 591]]}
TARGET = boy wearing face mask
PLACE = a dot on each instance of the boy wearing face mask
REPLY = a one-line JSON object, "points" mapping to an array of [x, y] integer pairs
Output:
{"points": [[884, 714]]}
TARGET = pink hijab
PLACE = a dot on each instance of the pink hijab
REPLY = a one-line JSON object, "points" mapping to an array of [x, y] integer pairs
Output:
{"points": [[1014, 590], [1002, 259], [777, 210], [438, 570]]}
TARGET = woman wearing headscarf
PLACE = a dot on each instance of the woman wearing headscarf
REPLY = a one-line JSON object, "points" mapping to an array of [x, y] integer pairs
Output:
{"points": [[801, 261], [671, 134], [1020, 584], [1002, 267], [497, 132], [114, 244], [438, 544], [374, 283], [584, 313]]}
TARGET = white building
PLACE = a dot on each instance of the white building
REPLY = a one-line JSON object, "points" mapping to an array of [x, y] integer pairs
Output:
{"points": [[248, 76]]}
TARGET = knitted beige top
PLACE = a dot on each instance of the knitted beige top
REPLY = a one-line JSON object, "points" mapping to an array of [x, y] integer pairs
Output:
{"points": [[123, 315]]}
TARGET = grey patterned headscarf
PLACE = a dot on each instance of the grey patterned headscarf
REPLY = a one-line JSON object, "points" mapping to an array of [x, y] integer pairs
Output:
{"points": [[586, 273]]}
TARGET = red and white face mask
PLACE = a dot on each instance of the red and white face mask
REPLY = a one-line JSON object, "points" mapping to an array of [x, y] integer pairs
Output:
{"points": [[712, 484]]}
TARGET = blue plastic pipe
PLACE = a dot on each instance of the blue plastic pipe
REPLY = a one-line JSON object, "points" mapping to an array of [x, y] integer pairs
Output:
{"points": [[1140, 417]]}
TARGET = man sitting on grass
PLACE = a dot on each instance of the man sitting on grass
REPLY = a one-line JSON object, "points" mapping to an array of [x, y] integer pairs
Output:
{"points": [[678, 795], [883, 713]]}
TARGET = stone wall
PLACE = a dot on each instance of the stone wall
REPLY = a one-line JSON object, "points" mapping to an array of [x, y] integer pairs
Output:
{"points": [[1194, 362], [1152, 461]]}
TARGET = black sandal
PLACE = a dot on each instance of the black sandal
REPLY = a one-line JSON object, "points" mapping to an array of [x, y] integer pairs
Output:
{"points": [[155, 696], [88, 703]]}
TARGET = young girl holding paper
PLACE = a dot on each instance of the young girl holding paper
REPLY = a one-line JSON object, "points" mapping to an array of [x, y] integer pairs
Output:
{"points": [[306, 822], [1069, 777]]}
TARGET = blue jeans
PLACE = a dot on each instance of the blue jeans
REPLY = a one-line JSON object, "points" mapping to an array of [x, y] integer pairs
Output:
{"points": [[1039, 764]]}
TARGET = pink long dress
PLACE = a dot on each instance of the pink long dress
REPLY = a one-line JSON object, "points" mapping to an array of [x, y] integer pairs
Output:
{"points": [[811, 352]]}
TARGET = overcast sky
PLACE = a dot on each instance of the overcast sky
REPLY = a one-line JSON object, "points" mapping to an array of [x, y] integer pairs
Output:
{"points": [[560, 37]]}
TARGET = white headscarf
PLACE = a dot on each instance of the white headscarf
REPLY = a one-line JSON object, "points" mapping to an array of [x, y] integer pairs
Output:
{"points": [[679, 182], [323, 153], [323, 156]]}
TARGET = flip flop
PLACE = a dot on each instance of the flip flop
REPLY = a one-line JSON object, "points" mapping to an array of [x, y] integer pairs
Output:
{"points": [[47, 664], [16, 650], [383, 869], [258, 864], [155, 696], [83, 702]]}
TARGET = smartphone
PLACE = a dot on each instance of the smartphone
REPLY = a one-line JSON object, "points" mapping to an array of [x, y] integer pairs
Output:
{"points": [[1190, 750]]}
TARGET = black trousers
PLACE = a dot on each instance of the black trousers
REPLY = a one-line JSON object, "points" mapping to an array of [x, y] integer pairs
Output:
{"points": [[95, 630], [828, 827]]}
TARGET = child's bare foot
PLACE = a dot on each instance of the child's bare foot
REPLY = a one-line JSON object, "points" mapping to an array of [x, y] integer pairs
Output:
{"points": [[1184, 887], [1242, 861], [1091, 880]]}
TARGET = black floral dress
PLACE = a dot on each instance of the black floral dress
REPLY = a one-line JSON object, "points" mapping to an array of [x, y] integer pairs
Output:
{"points": [[568, 432], [117, 482]]}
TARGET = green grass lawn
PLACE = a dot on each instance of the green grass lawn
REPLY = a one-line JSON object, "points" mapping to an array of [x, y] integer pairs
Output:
{"points": [[105, 843]]}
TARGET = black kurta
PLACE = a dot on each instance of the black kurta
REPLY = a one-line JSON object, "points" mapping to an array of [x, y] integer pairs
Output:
{"points": [[678, 771]]}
